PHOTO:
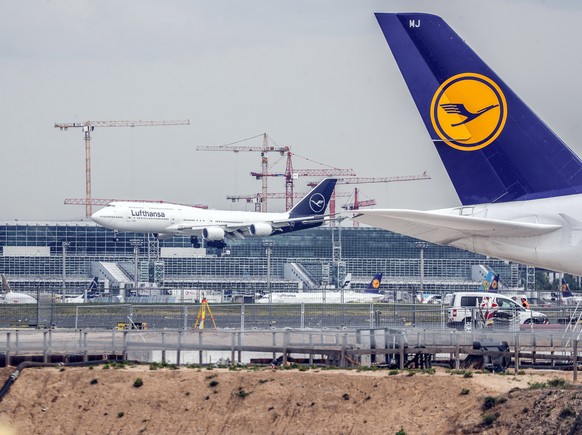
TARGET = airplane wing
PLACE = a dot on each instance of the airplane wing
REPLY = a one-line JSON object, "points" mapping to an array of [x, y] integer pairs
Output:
{"points": [[242, 230], [444, 228]]}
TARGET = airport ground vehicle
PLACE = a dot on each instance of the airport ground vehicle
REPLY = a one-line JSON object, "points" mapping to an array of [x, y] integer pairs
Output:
{"points": [[486, 309]]}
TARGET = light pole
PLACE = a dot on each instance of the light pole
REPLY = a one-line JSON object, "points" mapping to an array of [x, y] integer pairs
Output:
{"points": [[268, 245], [136, 243], [421, 246], [64, 244]]}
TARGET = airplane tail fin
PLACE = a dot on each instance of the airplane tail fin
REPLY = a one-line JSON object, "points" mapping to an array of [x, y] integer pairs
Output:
{"points": [[5, 286], [566, 293], [374, 285], [316, 201], [347, 284], [477, 123], [491, 282], [92, 289]]}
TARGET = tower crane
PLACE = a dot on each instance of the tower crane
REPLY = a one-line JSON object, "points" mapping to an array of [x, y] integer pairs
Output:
{"points": [[266, 148], [257, 197], [88, 127], [104, 202]]}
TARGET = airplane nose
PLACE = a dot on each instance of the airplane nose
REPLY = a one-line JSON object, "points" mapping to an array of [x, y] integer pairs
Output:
{"points": [[97, 217]]}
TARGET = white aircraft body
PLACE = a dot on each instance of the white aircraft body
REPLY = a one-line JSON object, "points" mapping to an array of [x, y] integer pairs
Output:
{"points": [[336, 296], [519, 185], [166, 220], [10, 297], [320, 296]]}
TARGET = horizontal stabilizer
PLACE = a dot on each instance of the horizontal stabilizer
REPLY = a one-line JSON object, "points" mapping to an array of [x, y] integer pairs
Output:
{"points": [[444, 229]]}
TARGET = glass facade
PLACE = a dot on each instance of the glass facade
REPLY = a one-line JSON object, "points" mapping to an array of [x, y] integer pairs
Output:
{"points": [[365, 251]]}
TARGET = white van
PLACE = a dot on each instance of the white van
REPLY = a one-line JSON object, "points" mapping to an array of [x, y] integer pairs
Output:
{"points": [[467, 309]]}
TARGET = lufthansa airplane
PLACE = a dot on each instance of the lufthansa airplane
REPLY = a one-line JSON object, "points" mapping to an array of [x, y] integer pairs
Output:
{"points": [[166, 220], [9, 297], [519, 185]]}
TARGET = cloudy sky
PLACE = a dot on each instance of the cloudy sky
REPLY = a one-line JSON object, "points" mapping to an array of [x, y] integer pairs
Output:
{"points": [[317, 76]]}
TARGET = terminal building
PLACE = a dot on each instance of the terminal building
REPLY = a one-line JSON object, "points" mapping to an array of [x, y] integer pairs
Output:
{"points": [[67, 256]]}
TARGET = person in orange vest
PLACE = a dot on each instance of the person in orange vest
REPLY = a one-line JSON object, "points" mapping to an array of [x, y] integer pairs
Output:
{"points": [[525, 303]]}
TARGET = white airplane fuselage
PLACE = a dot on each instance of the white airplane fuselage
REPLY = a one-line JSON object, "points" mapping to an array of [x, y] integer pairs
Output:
{"points": [[17, 298], [168, 218], [319, 296]]}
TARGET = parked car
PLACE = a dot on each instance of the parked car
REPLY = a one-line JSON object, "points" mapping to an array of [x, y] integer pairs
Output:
{"points": [[468, 309]]}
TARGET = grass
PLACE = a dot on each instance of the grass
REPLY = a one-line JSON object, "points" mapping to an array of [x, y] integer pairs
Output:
{"points": [[241, 393], [557, 383]]}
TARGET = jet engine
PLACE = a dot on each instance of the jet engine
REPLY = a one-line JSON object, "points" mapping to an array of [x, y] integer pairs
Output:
{"points": [[261, 229], [213, 233]]}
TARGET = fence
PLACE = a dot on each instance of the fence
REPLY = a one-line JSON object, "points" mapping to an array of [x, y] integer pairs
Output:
{"points": [[381, 347], [247, 316]]}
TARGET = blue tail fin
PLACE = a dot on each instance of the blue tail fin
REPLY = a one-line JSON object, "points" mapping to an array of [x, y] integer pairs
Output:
{"points": [[93, 288], [566, 293], [374, 285], [477, 123], [316, 201], [491, 282]]}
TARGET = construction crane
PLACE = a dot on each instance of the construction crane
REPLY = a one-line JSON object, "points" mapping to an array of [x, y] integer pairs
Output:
{"points": [[292, 174], [104, 202], [266, 148], [88, 127], [364, 180], [257, 198]]}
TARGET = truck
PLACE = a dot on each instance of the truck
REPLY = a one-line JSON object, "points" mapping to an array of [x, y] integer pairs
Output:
{"points": [[486, 309]]}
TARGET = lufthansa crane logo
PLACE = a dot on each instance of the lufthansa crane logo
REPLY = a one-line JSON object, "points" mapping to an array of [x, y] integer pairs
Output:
{"points": [[317, 203], [468, 111], [375, 283]]}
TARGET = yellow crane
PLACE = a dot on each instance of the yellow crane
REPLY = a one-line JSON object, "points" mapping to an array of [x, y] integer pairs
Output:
{"points": [[88, 127]]}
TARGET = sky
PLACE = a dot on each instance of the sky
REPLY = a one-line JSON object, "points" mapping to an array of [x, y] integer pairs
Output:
{"points": [[316, 76]]}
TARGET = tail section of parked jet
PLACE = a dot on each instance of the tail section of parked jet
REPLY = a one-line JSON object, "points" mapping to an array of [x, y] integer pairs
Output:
{"points": [[5, 285], [494, 147], [565, 287], [491, 283], [374, 285]]}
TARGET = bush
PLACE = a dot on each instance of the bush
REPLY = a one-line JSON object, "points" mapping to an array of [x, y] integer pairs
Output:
{"points": [[213, 383], [489, 419], [241, 393], [94, 381], [558, 382], [401, 431], [489, 402], [567, 412], [138, 383], [465, 391]]}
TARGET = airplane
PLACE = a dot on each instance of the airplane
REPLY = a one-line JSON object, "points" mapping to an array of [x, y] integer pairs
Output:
{"points": [[519, 185], [89, 293], [491, 282], [10, 297], [566, 295], [370, 295], [166, 220]]}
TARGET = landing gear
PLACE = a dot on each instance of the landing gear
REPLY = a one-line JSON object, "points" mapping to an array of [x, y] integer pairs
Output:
{"points": [[115, 236], [195, 241]]}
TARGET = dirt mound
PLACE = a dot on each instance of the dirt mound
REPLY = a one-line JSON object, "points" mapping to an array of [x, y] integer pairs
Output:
{"points": [[133, 400]]}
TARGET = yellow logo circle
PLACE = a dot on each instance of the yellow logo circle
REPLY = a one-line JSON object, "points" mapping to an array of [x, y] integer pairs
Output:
{"points": [[468, 111], [375, 283]]}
